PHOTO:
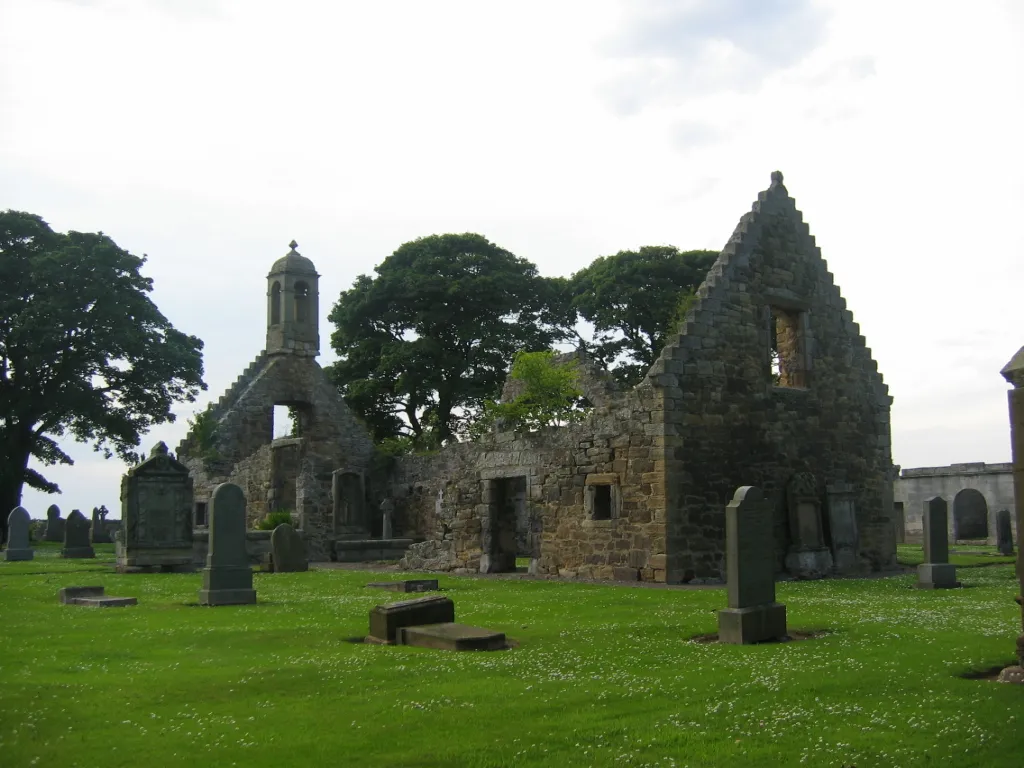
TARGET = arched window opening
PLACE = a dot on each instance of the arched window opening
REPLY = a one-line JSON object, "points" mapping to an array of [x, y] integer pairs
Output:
{"points": [[301, 302], [275, 303]]}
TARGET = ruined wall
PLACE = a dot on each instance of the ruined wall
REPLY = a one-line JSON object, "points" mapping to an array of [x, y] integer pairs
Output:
{"points": [[725, 423], [450, 496], [288, 473], [915, 487]]}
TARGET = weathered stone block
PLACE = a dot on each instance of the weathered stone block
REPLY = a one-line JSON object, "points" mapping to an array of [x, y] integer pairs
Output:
{"points": [[386, 619], [936, 576], [408, 585]]}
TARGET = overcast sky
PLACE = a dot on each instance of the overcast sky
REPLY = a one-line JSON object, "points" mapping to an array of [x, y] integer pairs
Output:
{"points": [[209, 133]]}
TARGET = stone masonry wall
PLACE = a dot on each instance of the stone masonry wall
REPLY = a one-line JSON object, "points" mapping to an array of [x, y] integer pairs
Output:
{"points": [[724, 423]]}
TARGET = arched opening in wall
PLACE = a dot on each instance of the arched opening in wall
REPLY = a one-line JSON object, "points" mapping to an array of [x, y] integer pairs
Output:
{"points": [[970, 515], [284, 422], [275, 303], [301, 302]]}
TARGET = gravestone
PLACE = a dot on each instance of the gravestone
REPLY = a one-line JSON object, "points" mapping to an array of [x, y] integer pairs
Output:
{"points": [[76, 537], [936, 572], [753, 615], [93, 597], [54, 524], [451, 637], [100, 534], [808, 557], [408, 585], [842, 519], [227, 578], [1004, 532], [385, 620], [156, 515], [288, 550], [18, 547], [387, 511]]}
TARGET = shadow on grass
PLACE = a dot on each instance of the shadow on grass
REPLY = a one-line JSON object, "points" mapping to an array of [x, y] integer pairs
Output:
{"points": [[795, 635]]}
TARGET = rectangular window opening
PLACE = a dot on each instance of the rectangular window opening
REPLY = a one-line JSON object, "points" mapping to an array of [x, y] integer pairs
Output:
{"points": [[602, 502], [200, 514], [788, 354]]}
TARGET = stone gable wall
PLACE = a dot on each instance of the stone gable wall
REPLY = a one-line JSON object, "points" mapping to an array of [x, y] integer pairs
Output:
{"points": [[725, 425]]}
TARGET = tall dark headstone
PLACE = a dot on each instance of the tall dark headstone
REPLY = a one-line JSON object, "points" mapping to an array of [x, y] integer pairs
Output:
{"points": [[842, 519], [76, 537], [18, 547], [1004, 532], [227, 578], [808, 557], [288, 550], [156, 515], [54, 524], [1013, 372], [753, 615], [936, 572]]}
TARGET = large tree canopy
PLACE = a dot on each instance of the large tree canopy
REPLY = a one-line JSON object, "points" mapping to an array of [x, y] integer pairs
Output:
{"points": [[634, 299], [84, 352], [428, 340]]}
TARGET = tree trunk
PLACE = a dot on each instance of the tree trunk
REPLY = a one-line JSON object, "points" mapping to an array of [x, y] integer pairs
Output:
{"points": [[12, 478]]}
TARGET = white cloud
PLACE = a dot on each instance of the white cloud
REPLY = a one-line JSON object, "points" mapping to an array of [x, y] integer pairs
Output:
{"points": [[209, 140]]}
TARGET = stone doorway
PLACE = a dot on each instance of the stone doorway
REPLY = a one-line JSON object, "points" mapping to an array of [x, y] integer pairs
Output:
{"points": [[970, 515], [507, 532]]}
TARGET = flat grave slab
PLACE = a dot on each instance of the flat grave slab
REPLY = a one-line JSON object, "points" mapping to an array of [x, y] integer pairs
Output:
{"points": [[93, 597], [408, 585], [449, 636]]}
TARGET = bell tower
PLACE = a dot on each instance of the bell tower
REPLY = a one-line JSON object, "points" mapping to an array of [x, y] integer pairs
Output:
{"points": [[293, 306]]}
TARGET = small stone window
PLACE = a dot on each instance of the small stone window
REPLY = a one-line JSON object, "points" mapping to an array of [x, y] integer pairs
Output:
{"points": [[275, 303], [601, 499], [789, 363], [200, 515], [301, 302]]}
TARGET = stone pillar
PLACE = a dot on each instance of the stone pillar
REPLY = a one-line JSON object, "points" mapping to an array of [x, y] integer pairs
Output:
{"points": [[808, 557], [387, 511], [1013, 372], [936, 572], [753, 615]]}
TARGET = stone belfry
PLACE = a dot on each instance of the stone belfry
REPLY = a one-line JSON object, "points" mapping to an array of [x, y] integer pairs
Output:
{"points": [[293, 306]]}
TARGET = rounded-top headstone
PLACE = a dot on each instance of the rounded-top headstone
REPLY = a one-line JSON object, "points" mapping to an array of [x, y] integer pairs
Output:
{"points": [[227, 526], [53, 511], [18, 522], [747, 493]]}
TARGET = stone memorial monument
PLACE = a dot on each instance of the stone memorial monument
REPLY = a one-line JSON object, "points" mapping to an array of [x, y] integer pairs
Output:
{"points": [[227, 578], [288, 550], [842, 520], [753, 615], [1004, 532], [76, 537], [100, 534], [808, 557], [1013, 372], [54, 524], [17, 545], [156, 515], [936, 572]]}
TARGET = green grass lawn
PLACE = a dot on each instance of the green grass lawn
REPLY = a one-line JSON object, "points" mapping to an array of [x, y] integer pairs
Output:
{"points": [[603, 676]]}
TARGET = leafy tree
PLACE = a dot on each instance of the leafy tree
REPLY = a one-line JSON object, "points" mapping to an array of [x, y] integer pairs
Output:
{"points": [[428, 340], [636, 300], [84, 352], [548, 396]]}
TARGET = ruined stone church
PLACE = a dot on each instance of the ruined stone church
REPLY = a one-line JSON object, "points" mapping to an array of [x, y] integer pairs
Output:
{"points": [[767, 383]]}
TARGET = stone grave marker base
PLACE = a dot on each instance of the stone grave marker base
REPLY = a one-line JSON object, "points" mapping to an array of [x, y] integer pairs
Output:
{"points": [[227, 596], [744, 626], [93, 597], [77, 552], [18, 555], [385, 620], [1014, 675], [449, 636], [809, 563], [409, 585], [936, 576]]}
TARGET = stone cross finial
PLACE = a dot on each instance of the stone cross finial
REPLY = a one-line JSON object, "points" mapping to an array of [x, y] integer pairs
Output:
{"points": [[776, 177], [293, 245]]}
